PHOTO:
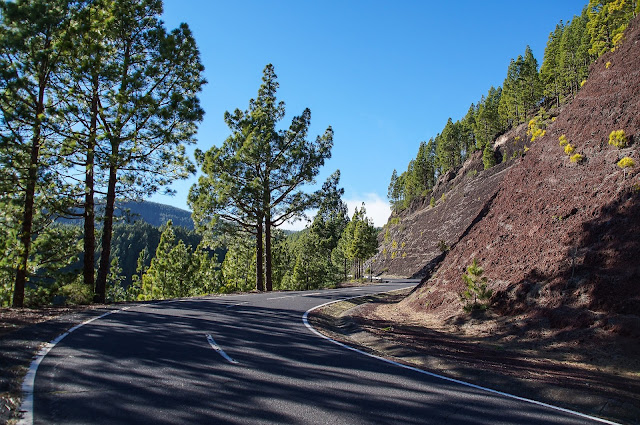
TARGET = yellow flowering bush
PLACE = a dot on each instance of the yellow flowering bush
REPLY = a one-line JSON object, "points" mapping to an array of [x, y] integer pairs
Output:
{"points": [[618, 139]]}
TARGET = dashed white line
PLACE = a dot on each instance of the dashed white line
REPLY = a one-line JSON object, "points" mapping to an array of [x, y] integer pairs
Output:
{"points": [[220, 351], [237, 304], [315, 293], [279, 298]]}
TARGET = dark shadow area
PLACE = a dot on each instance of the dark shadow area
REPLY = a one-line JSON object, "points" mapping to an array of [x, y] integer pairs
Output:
{"points": [[153, 364], [580, 327]]}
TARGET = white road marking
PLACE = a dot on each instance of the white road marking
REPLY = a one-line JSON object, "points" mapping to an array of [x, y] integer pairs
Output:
{"points": [[315, 293], [26, 408], [220, 351], [279, 298], [434, 375], [237, 304]]}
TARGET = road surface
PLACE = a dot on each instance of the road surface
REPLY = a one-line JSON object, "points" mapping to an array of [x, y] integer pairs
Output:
{"points": [[248, 359]]}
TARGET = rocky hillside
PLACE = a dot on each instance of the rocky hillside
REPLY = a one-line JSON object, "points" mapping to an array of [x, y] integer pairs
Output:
{"points": [[415, 240], [559, 240]]}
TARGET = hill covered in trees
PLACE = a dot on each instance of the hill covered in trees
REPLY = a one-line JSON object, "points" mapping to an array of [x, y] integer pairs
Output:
{"points": [[542, 248], [155, 214], [530, 91]]}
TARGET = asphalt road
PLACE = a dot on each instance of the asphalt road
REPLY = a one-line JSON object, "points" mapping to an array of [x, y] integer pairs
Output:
{"points": [[248, 359]]}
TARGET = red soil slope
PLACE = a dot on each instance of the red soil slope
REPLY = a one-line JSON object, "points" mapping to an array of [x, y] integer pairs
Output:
{"points": [[561, 241]]}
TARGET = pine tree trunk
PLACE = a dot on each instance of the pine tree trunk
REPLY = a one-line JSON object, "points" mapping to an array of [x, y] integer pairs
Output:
{"points": [[89, 204], [259, 256], [27, 221], [345, 269], [107, 233], [267, 244], [29, 200]]}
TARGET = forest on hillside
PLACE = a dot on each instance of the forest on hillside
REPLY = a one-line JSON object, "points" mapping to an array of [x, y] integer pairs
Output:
{"points": [[528, 93], [98, 101]]}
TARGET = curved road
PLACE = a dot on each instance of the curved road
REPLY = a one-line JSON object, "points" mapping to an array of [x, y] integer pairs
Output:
{"points": [[248, 359]]}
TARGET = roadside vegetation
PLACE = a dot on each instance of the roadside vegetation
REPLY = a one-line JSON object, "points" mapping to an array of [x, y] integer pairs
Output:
{"points": [[98, 101], [527, 92]]}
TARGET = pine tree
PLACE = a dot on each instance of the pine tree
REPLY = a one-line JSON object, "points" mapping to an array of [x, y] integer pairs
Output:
{"points": [[32, 40], [206, 271], [254, 180], [149, 112], [239, 265], [332, 217], [476, 295], [115, 291], [488, 156], [156, 282], [86, 73], [550, 70], [180, 272], [134, 290], [392, 194], [467, 135], [574, 58], [359, 241], [530, 85], [488, 123], [607, 21], [448, 152], [509, 107]]}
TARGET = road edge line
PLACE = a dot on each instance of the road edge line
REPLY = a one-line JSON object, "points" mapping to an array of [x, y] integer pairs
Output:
{"points": [[28, 384], [435, 375]]}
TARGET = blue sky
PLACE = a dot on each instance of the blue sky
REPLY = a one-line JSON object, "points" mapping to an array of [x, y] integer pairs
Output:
{"points": [[384, 74]]}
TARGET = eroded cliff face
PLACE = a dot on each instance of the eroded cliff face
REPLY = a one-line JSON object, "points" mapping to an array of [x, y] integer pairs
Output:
{"points": [[415, 240], [559, 241]]}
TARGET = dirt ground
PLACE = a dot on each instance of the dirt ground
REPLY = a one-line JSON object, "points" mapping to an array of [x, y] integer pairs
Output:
{"points": [[602, 380]]}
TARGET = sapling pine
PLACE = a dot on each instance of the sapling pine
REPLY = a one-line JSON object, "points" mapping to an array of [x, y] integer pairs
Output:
{"points": [[476, 296]]}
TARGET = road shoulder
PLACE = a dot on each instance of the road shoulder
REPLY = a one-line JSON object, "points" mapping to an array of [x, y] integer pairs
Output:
{"points": [[501, 368]]}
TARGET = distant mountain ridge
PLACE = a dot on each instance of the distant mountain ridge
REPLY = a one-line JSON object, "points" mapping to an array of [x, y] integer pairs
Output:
{"points": [[153, 213]]}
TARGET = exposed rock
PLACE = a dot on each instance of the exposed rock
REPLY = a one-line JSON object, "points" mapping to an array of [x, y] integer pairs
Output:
{"points": [[413, 242], [560, 241]]}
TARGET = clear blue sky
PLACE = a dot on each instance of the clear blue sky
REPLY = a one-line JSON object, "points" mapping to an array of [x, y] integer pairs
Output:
{"points": [[384, 74]]}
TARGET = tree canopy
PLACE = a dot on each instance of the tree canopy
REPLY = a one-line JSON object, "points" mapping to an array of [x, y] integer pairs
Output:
{"points": [[254, 180]]}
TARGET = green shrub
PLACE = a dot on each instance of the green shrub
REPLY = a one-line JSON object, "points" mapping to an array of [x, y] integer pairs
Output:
{"points": [[77, 293], [476, 296], [563, 140], [41, 295], [626, 162], [618, 139], [569, 149], [536, 126], [432, 202], [577, 158], [442, 246]]}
